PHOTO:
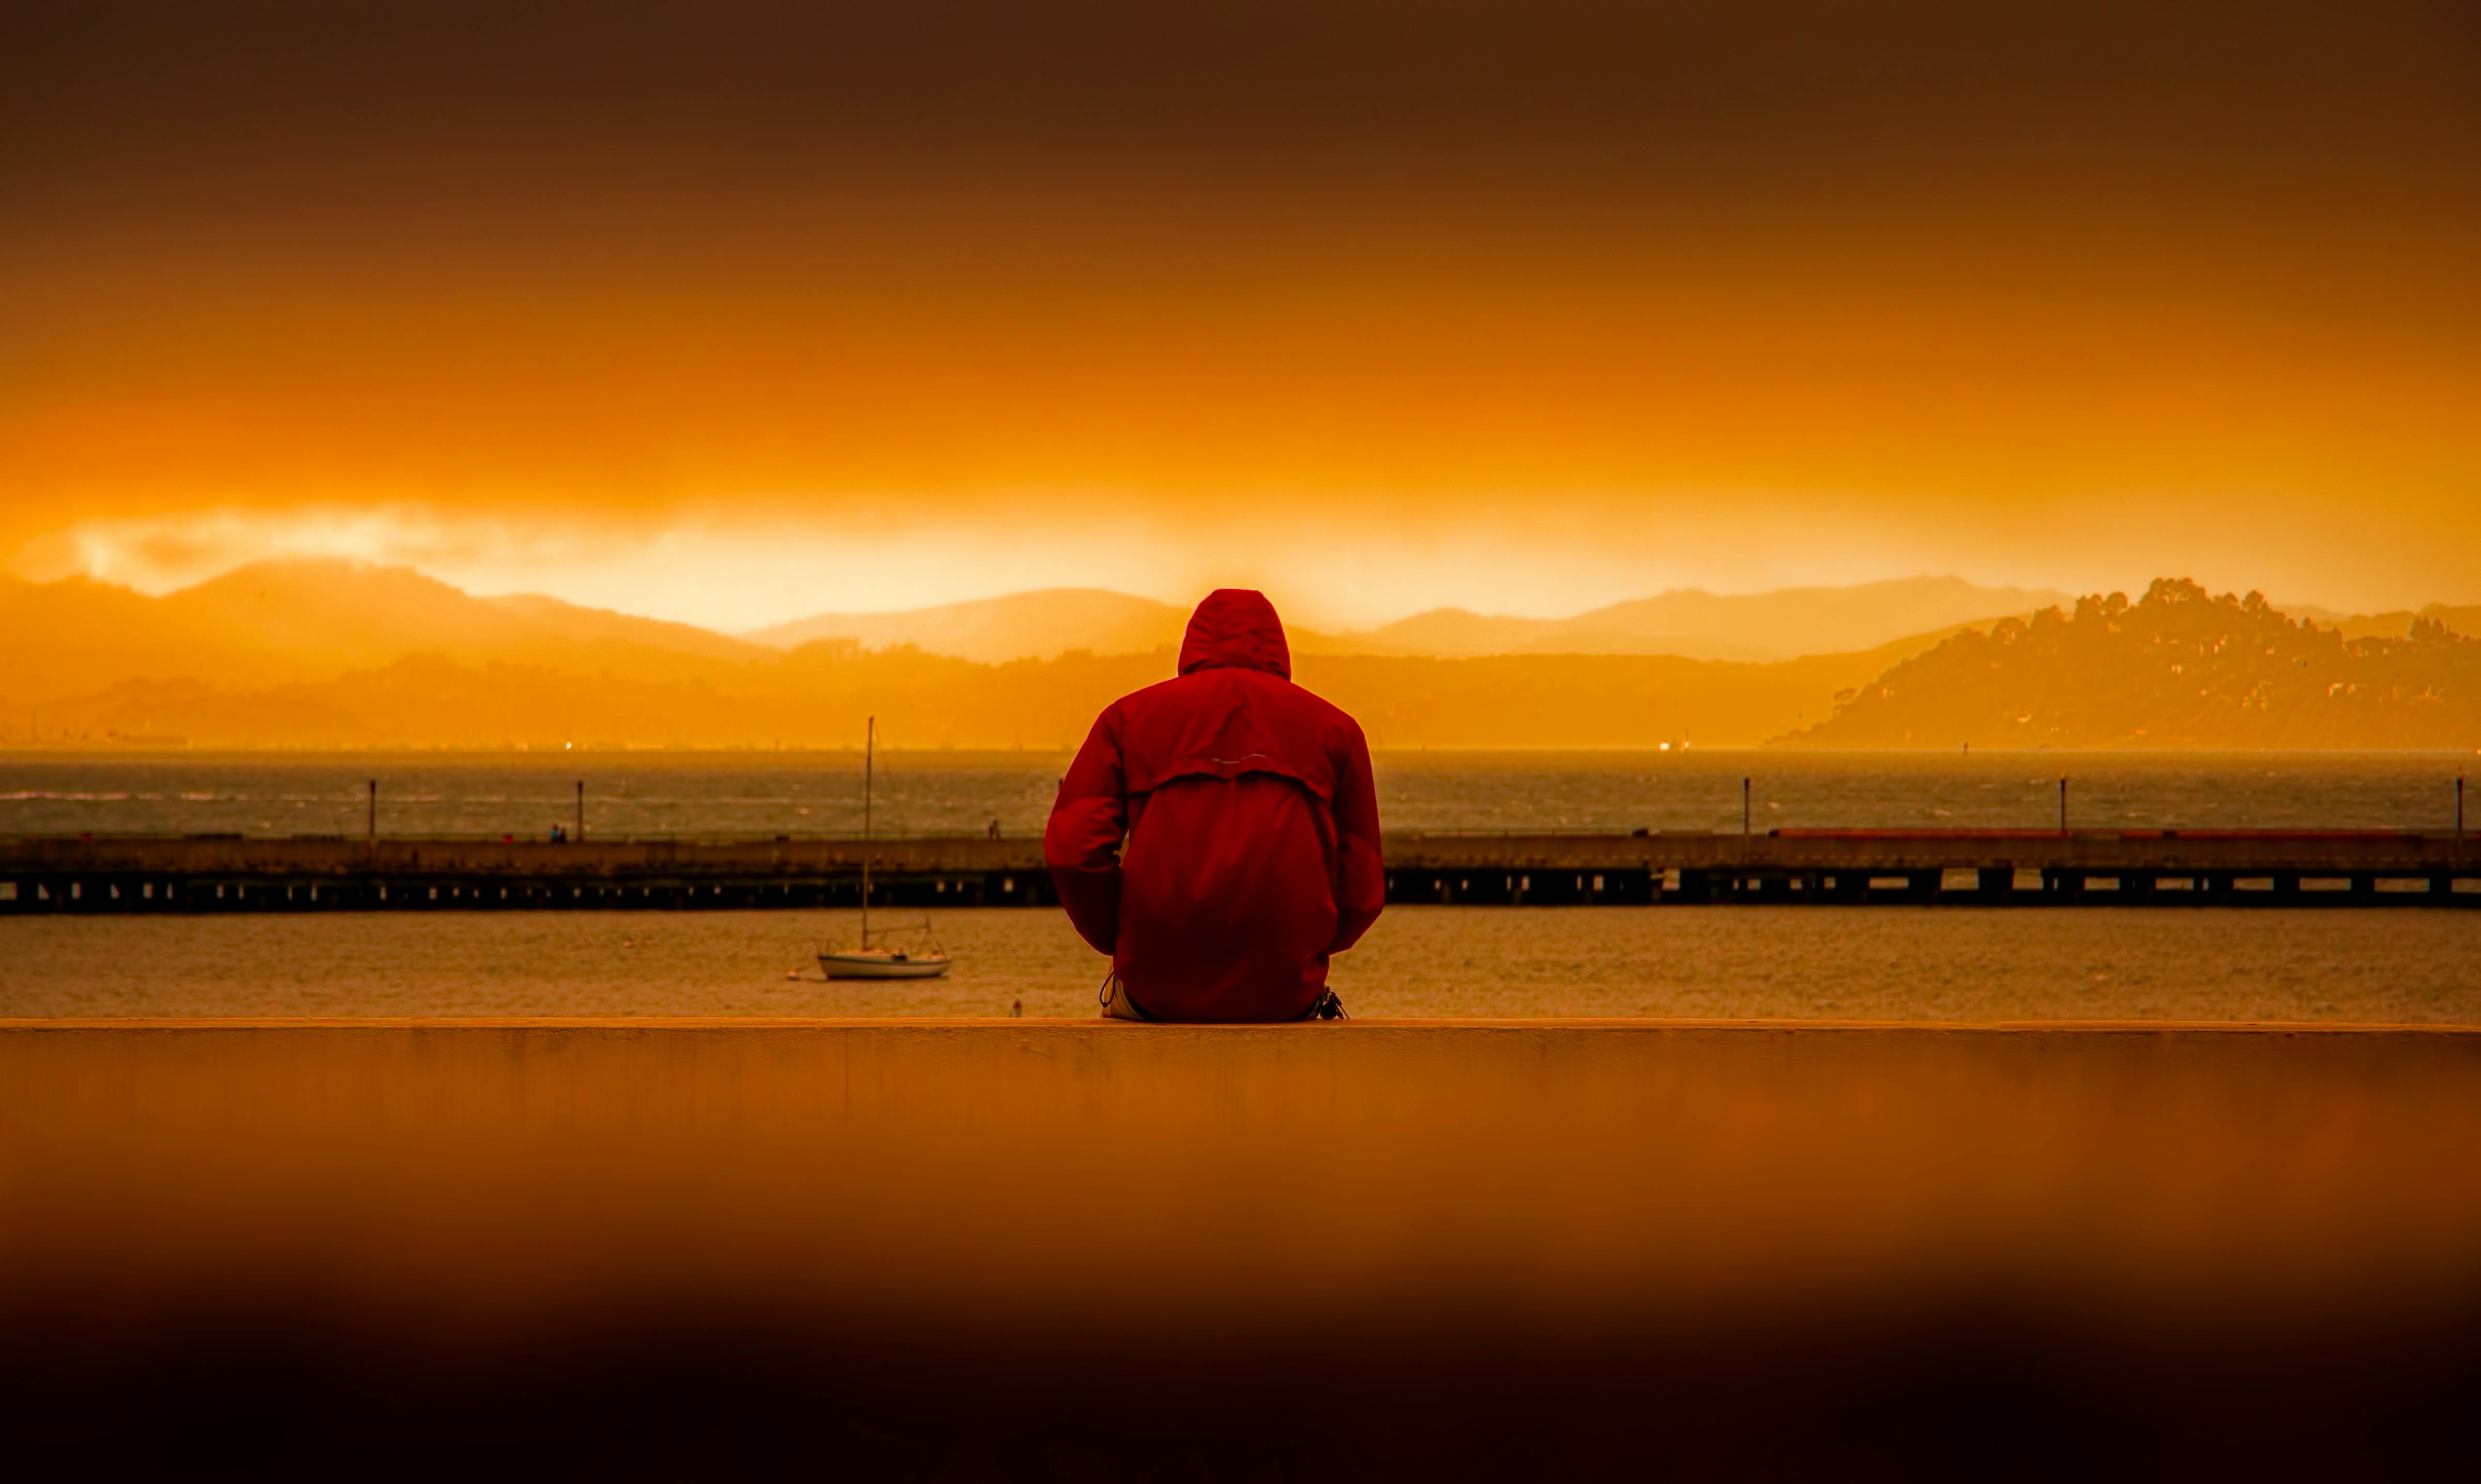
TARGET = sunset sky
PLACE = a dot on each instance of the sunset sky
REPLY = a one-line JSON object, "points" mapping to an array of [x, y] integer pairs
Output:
{"points": [[737, 313]]}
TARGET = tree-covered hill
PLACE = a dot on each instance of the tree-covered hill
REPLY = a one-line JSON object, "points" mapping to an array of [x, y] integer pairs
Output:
{"points": [[2180, 667]]}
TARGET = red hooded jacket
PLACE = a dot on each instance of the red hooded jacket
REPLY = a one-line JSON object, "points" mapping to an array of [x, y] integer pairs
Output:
{"points": [[1250, 829]]}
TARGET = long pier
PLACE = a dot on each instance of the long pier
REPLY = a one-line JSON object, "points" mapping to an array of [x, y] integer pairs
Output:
{"points": [[1856, 867]]}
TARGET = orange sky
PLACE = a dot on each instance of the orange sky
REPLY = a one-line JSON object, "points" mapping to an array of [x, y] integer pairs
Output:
{"points": [[1524, 309]]}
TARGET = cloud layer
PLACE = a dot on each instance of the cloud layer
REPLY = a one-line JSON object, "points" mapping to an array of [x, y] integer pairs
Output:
{"points": [[1526, 308]]}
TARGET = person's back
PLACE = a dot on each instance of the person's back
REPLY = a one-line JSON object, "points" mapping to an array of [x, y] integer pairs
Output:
{"points": [[1250, 829]]}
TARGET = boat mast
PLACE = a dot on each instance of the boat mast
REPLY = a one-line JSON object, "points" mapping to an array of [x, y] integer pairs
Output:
{"points": [[869, 749]]}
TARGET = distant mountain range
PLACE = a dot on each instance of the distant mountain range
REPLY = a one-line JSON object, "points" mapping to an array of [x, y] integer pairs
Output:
{"points": [[332, 654], [817, 695], [284, 622], [277, 622], [992, 631], [1698, 625], [1692, 624]]}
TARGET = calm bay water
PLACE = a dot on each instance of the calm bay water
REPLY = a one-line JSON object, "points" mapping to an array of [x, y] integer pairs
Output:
{"points": [[1795, 962], [813, 793], [1868, 963]]}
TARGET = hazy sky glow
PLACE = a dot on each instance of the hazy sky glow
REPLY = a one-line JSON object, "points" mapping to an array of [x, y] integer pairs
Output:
{"points": [[736, 572], [769, 311]]}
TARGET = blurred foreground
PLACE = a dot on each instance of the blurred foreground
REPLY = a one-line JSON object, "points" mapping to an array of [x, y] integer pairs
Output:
{"points": [[1038, 1249]]}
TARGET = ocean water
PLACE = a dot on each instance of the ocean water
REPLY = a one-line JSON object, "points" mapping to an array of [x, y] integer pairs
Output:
{"points": [[1834, 963], [1960, 964], [693, 795]]}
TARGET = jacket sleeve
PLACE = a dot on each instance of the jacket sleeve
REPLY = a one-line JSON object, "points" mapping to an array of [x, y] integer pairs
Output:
{"points": [[1081, 843], [1361, 875]]}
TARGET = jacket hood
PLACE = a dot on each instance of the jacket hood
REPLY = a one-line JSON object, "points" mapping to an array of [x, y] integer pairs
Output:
{"points": [[1236, 629]]}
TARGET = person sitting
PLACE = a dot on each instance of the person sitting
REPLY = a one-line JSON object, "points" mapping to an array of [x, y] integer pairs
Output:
{"points": [[1218, 835]]}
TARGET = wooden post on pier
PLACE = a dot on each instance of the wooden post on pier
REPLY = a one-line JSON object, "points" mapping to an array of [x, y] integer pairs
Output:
{"points": [[580, 810], [1744, 806], [2063, 806], [371, 827]]}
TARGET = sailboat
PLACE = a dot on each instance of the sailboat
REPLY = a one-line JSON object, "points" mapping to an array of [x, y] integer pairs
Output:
{"points": [[872, 960]]}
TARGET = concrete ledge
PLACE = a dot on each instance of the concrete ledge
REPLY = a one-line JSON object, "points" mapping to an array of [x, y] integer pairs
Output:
{"points": [[1472, 1231]]}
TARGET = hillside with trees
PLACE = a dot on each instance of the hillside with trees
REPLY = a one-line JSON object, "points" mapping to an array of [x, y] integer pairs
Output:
{"points": [[2180, 667]]}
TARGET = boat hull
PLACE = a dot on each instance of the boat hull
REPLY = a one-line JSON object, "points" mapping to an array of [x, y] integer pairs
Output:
{"points": [[880, 966]]}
